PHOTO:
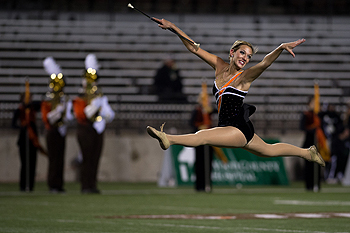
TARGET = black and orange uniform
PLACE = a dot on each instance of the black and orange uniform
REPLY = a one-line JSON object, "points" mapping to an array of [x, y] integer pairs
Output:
{"points": [[90, 143], [201, 119], [92, 112], [232, 110], [24, 118], [56, 142], [309, 122], [90, 133]]}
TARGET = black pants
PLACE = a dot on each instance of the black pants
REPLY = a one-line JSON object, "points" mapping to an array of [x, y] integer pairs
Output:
{"points": [[55, 147], [312, 171], [90, 143], [312, 176], [28, 164], [203, 179]]}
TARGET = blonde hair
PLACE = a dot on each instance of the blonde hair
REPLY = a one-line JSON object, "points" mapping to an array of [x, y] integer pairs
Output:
{"points": [[239, 43]]}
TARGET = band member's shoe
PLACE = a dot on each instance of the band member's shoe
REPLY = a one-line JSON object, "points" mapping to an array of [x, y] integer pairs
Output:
{"points": [[160, 136], [90, 191], [316, 156]]}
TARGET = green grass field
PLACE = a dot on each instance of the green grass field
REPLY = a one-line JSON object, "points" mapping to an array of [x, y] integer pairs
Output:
{"points": [[112, 211]]}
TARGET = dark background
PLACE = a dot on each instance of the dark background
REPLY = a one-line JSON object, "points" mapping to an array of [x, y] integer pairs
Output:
{"points": [[310, 7]]}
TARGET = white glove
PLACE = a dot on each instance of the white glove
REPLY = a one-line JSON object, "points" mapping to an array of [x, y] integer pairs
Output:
{"points": [[59, 108], [106, 112], [99, 126], [55, 114], [96, 101], [90, 110], [93, 107], [62, 130], [69, 113]]}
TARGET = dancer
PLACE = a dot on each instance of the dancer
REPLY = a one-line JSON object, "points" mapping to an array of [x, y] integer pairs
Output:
{"points": [[231, 85]]}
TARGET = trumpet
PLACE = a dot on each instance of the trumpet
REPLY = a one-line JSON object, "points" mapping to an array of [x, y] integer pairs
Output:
{"points": [[92, 92], [58, 105]]}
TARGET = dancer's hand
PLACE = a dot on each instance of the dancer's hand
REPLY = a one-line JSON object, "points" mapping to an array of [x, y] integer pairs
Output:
{"points": [[163, 23], [291, 45]]}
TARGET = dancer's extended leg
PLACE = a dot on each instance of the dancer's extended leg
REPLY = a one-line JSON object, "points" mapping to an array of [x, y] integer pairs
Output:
{"points": [[232, 137], [220, 136], [258, 147]]}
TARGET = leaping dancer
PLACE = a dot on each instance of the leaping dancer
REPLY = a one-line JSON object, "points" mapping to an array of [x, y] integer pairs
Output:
{"points": [[231, 85]]}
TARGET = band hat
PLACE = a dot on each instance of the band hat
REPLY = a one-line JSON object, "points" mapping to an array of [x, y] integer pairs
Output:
{"points": [[57, 82]]}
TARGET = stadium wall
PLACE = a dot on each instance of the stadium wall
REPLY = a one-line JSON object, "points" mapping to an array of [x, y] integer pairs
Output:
{"points": [[125, 158]]}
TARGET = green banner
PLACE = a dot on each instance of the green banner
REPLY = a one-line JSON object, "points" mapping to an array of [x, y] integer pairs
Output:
{"points": [[242, 168]]}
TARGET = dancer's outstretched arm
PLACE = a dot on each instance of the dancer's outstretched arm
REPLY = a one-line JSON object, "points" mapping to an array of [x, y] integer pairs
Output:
{"points": [[255, 71], [214, 61]]}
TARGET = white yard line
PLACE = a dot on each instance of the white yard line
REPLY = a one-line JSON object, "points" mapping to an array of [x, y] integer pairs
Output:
{"points": [[285, 230], [181, 226], [312, 203]]}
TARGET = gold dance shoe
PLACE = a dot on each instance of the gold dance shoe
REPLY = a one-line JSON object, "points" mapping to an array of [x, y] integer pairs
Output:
{"points": [[315, 156], [160, 136]]}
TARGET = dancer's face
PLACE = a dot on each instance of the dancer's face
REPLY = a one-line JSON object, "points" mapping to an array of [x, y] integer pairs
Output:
{"points": [[241, 56]]}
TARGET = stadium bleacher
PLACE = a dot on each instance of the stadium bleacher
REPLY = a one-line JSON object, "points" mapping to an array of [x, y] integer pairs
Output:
{"points": [[130, 48]]}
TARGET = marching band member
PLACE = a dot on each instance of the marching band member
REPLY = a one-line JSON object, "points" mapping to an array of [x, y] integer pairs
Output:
{"points": [[92, 112], [24, 118], [202, 119], [56, 113]]}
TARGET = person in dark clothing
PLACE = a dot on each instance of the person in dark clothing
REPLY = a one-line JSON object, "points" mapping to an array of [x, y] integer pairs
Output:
{"points": [[201, 119], [336, 134], [168, 83], [308, 124], [24, 118]]}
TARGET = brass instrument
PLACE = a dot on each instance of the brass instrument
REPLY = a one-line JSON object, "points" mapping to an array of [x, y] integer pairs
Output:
{"points": [[55, 95], [92, 91]]}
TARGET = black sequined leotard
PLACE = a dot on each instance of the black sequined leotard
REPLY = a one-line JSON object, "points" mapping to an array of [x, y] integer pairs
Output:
{"points": [[232, 110]]}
